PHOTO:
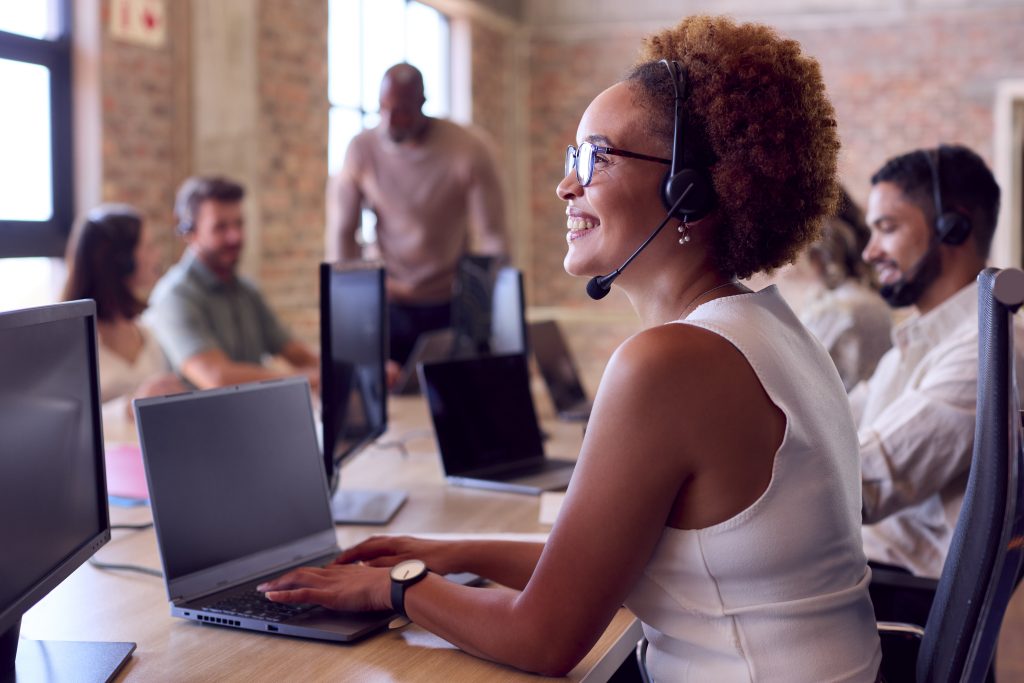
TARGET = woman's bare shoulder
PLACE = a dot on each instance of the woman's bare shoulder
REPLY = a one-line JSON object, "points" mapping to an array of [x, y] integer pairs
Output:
{"points": [[671, 353]]}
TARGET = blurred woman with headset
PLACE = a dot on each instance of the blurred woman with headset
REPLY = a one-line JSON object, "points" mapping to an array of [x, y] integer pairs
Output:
{"points": [[112, 259], [846, 314]]}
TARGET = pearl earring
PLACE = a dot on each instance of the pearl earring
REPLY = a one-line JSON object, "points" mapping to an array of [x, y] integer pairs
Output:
{"points": [[684, 233]]}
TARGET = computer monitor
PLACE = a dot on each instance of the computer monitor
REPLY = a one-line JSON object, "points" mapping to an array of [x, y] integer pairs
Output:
{"points": [[353, 385], [508, 313], [53, 492], [488, 308]]}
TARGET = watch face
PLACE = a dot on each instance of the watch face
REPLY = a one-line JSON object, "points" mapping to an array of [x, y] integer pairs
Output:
{"points": [[409, 569]]}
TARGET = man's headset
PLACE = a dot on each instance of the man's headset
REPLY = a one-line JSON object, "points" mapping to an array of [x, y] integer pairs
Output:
{"points": [[952, 227]]}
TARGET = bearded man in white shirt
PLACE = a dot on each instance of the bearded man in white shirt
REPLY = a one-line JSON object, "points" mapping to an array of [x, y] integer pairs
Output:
{"points": [[932, 214]]}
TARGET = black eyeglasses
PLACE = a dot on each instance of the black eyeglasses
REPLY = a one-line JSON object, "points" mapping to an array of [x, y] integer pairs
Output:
{"points": [[583, 159]]}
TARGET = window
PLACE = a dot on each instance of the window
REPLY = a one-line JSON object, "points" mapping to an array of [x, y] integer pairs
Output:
{"points": [[365, 37], [35, 127]]}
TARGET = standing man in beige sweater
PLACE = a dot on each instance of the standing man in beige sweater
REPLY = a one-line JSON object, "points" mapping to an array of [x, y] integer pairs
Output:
{"points": [[434, 188]]}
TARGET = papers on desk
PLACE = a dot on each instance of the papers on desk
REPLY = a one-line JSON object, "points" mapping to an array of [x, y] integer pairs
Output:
{"points": [[126, 476], [550, 504]]}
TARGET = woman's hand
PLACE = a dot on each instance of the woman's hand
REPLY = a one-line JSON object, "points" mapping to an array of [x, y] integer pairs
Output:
{"points": [[341, 587], [441, 557]]}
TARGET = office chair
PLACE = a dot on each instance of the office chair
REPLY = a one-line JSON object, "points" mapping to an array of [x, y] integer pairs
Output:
{"points": [[984, 562], [472, 303], [985, 557]]}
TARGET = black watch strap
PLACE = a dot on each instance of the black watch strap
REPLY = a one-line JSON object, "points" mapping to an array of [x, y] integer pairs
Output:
{"points": [[398, 589]]}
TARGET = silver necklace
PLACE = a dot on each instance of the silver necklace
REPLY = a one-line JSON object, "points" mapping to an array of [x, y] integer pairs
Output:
{"points": [[704, 293]]}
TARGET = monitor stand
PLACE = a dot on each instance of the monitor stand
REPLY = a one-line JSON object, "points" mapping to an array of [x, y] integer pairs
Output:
{"points": [[59, 661], [366, 507]]}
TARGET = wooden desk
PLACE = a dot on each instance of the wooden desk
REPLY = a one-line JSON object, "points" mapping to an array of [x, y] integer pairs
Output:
{"points": [[126, 606]]}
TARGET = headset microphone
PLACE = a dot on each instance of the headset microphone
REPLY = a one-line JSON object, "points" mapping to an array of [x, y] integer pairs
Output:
{"points": [[599, 285]]}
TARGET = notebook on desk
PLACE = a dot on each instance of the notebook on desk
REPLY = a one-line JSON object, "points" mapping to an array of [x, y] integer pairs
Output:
{"points": [[486, 426], [239, 495]]}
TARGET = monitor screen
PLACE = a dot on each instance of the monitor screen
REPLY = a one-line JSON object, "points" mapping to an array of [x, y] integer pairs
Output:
{"points": [[482, 412], [556, 365], [508, 315], [52, 483], [353, 350]]}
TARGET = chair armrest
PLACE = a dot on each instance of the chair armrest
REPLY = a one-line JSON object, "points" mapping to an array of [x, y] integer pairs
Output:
{"points": [[900, 631], [901, 644]]}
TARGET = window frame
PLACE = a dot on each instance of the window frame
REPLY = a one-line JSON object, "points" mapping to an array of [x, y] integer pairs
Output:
{"points": [[20, 238], [361, 109]]}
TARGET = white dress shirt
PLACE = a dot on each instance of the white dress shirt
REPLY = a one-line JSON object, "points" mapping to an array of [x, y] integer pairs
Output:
{"points": [[854, 325], [915, 420]]}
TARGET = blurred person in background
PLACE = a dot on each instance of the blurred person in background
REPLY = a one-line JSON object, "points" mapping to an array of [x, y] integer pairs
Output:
{"points": [[214, 324], [846, 313], [112, 259]]}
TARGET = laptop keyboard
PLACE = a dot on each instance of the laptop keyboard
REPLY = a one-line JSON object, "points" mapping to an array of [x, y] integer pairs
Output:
{"points": [[253, 605]]}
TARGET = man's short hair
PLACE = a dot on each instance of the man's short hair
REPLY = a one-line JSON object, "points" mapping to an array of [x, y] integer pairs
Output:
{"points": [[196, 190], [966, 183]]}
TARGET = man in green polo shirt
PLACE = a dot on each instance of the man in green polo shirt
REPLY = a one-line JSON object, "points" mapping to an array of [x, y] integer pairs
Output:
{"points": [[214, 326]]}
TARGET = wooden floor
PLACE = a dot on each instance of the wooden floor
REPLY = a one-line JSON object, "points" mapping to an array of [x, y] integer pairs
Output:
{"points": [[1010, 653]]}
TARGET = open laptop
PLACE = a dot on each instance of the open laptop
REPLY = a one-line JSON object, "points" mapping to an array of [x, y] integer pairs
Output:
{"points": [[486, 426], [239, 495], [430, 347], [559, 371]]}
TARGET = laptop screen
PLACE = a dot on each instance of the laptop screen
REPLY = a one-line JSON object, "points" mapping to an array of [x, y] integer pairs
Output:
{"points": [[232, 472], [556, 365], [483, 413]]}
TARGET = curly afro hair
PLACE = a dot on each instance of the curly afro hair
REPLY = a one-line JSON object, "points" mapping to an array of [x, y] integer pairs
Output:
{"points": [[758, 118]]}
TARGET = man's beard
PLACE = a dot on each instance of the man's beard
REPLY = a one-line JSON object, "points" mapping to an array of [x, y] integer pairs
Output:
{"points": [[907, 290]]}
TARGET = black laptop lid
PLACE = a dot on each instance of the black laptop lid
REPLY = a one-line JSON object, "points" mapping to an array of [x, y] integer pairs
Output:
{"points": [[233, 473], [483, 413], [556, 365]]}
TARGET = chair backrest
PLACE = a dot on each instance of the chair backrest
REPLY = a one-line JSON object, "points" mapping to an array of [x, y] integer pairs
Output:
{"points": [[472, 303], [985, 555]]}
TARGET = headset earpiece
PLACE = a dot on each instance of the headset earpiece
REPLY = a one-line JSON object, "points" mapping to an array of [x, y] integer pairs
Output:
{"points": [[952, 227], [684, 173]]}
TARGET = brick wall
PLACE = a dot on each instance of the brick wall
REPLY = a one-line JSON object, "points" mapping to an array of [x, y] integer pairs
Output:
{"points": [[144, 121], [292, 168]]}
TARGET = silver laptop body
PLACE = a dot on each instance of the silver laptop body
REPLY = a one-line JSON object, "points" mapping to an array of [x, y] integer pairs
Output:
{"points": [[239, 495]]}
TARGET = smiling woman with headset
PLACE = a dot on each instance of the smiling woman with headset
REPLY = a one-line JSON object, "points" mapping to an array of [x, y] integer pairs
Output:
{"points": [[111, 259], [717, 492]]}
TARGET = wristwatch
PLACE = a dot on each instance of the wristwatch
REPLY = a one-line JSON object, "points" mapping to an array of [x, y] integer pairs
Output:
{"points": [[403, 575]]}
